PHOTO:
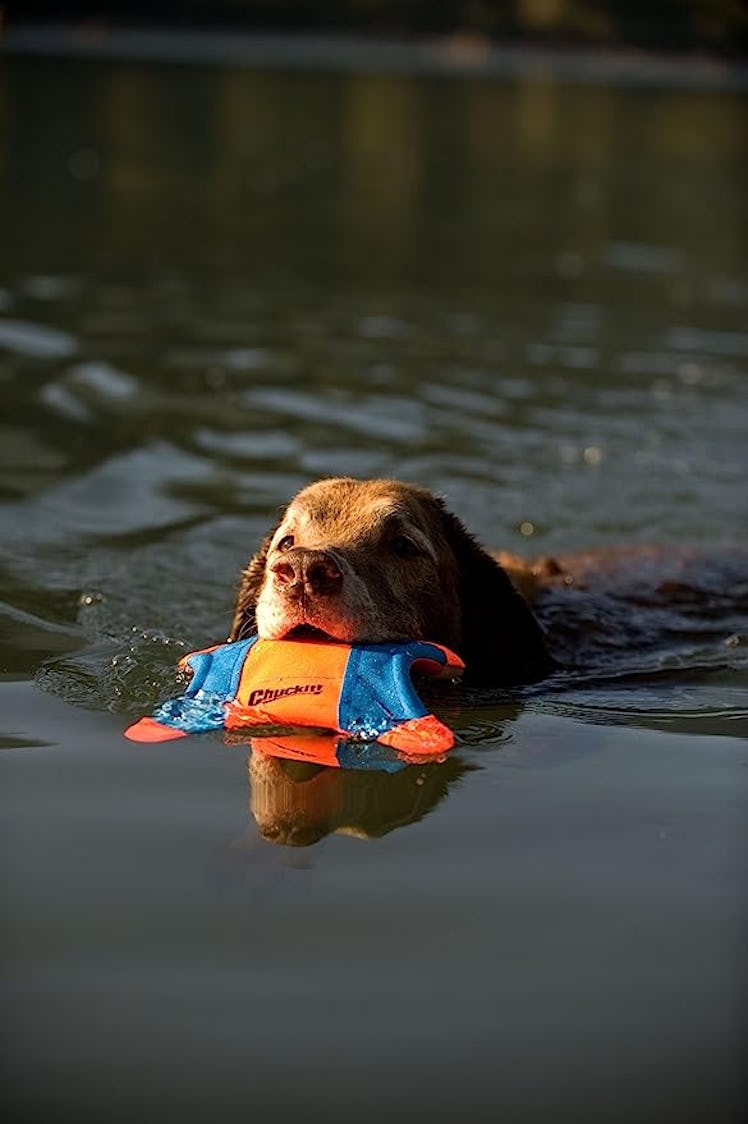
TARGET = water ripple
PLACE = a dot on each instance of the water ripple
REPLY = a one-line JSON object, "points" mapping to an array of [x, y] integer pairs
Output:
{"points": [[36, 341], [391, 418]]}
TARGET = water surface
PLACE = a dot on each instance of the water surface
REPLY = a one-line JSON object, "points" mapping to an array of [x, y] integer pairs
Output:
{"points": [[216, 285]]}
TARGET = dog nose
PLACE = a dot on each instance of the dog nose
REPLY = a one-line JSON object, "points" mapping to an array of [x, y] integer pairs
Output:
{"points": [[322, 573], [301, 570]]}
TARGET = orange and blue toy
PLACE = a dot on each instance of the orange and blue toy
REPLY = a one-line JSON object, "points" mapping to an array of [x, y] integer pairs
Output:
{"points": [[363, 691]]}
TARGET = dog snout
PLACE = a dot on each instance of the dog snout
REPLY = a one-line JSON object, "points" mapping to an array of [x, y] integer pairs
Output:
{"points": [[300, 571]]}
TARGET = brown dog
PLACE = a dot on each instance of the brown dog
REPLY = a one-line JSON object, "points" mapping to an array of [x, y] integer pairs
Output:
{"points": [[375, 560]]}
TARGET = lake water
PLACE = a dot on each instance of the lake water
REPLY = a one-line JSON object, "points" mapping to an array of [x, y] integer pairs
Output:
{"points": [[215, 285]]}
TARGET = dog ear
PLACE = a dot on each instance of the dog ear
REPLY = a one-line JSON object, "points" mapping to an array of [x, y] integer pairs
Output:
{"points": [[244, 624], [502, 642]]}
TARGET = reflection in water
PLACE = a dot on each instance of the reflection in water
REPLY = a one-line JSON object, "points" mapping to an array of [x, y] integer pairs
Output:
{"points": [[297, 802]]}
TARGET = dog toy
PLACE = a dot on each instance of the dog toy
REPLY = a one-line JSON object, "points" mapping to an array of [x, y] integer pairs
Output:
{"points": [[363, 691]]}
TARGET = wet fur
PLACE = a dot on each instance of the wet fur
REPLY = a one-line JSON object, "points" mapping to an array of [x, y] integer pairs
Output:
{"points": [[590, 611], [458, 595]]}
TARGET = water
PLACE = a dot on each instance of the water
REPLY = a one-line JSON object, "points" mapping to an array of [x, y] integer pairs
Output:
{"points": [[215, 285]]}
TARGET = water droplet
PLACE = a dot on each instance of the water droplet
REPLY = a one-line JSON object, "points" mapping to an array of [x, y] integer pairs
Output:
{"points": [[90, 598]]}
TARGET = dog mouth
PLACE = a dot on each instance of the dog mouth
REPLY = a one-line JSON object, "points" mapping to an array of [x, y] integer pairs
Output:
{"points": [[315, 624], [308, 632]]}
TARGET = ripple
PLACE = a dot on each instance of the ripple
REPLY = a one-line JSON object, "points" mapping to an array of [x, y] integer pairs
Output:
{"points": [[219, 362], [337, 461], [107, 676], [93, 384], [688, 706], [49, 287], [689, 338], [636, 257], [395, 418], [36, 341], [63, 401], [34, 638], [104, 380], [124, 495], [382, 328], [256, 445], [465, 400], [247, 358]]}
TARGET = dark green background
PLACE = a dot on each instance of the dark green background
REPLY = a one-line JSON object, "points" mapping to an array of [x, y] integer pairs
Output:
{"points": [[662, 24]]}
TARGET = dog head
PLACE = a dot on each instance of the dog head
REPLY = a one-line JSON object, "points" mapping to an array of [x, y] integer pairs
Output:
{"points": [[376, 560]]}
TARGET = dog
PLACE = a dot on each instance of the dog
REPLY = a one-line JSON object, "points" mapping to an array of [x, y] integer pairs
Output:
{"points": [[377, 560]]}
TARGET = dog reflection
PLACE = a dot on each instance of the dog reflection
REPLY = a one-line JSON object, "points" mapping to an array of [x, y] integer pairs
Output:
{"points": [[296, 801]]}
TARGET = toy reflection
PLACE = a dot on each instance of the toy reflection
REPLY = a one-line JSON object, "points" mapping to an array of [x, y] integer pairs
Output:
{"points": [[305, 787]]}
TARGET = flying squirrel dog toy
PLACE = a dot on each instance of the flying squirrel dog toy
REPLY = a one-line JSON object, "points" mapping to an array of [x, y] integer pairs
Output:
{"points": [[364, 691]]}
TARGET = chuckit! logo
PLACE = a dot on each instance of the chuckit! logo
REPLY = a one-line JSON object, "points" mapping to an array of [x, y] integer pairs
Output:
{"points": [[262, 695]]}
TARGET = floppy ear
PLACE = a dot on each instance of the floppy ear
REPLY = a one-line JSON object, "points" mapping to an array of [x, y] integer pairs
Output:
{"points": [[244, 624], [502, 642]]}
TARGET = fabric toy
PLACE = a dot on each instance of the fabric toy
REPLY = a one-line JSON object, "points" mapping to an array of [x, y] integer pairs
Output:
{"points": [[363, 691]]}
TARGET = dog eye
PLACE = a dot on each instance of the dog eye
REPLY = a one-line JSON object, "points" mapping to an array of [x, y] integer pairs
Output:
{"points": [[285, 543], [404, 547]]}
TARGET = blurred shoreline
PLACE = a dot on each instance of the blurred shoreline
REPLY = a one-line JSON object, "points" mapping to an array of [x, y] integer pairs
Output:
{"points": [[455, 56]]}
